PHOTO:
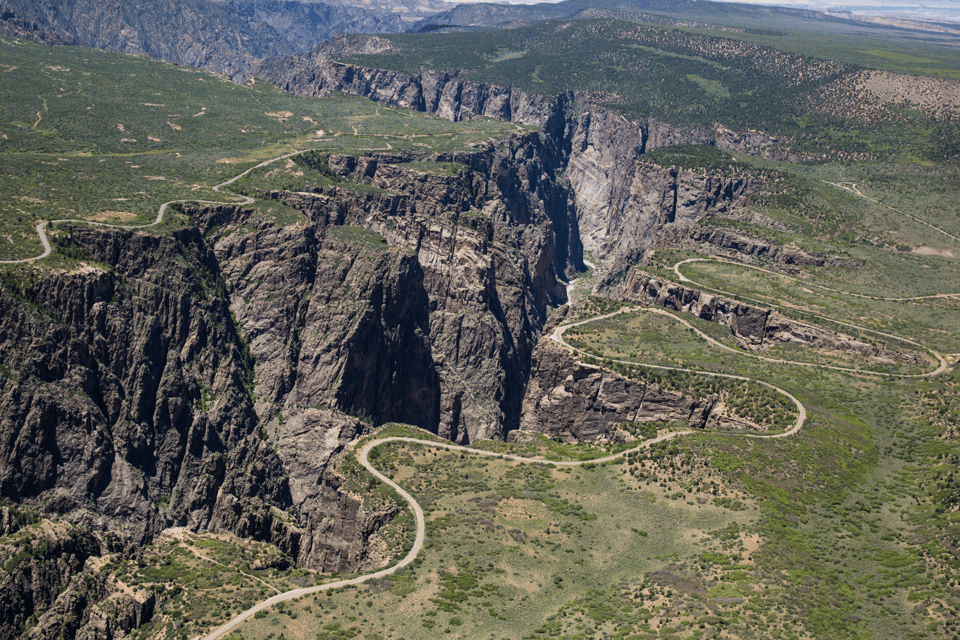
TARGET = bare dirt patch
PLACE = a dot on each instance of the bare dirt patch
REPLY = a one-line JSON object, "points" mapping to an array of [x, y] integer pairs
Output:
{"points": [[113, 216], [930, 251], [937, 97]]}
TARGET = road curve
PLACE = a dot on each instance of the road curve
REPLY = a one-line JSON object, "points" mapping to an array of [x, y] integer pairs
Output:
{"points": [[364, 452], [557, 336], [41, 228], [941, 367], [238, 619]]}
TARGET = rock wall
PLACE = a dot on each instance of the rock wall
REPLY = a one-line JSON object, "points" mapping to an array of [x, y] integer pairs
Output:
{"points": [[754, 327], [494, 242], [575, 402], [623, 202], [148, 389], [620, 201]]}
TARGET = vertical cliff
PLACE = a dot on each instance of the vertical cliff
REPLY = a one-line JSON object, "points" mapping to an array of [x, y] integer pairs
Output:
{"points": [[621, 202], [495, 239]]}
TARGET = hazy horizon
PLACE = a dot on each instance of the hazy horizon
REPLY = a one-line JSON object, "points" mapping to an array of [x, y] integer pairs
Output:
{"points": [[933, 10]]}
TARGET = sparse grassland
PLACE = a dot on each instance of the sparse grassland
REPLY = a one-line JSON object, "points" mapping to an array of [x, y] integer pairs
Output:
{"points": [[507, 545], [700, 78], [202, 580], [74, 147]]}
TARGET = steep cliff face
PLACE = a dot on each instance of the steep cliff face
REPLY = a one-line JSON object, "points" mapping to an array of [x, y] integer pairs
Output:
{"points": [[446, 94], [304, 24], [493, 240], [189, 32], [216, 369], [126, 384], [575, 402], [36, 576], [336, 323], [621, 202], [203, 379]]}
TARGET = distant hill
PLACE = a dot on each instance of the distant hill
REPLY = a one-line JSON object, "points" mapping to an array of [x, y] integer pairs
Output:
{"points": [[503, 15], [408, 10], [225, 37]]}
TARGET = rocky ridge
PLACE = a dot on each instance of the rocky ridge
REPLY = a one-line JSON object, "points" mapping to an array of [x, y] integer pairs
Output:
{"points": [[575, 402], [755, 328], [620, 200], [205, 377]]}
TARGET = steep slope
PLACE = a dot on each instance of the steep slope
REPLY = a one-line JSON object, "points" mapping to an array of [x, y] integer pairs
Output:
{"points": [[493, 240], [205, 377], [189, 32], [621, 204], [224, 37]]}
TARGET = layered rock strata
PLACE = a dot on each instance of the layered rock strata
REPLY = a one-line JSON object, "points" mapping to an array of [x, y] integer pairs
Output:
{"points": [[620, 201]]}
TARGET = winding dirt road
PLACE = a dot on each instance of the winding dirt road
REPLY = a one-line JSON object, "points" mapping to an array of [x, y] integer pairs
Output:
{"points": [[942, 366], [363, 454], [556, 336], [41, 228]]}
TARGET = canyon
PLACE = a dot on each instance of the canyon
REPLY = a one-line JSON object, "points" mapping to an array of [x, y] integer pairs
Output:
{"points": [[207, 377]]}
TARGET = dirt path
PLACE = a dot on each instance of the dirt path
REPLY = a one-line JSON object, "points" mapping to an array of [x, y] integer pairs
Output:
{"points": [[362, 457], [942, 366], [852, 188], [557, 336], [183, 535], [41, 227]]}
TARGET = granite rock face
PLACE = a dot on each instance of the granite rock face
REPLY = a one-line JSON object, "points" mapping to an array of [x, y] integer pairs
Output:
{"points": [[494, 243], [205, 377], [576, 402], [621, 202], [146, 392]]}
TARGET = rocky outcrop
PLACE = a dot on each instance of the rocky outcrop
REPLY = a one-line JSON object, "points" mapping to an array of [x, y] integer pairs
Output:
{"points": [[187, 32], [453, 96], [37, 573], [215, 370], [494, 239], [745, 245], [229, 37], [128, 384], [620, 201], [576, 402], [304, 24], [623, 202], [754, 327], [140, 394]]}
